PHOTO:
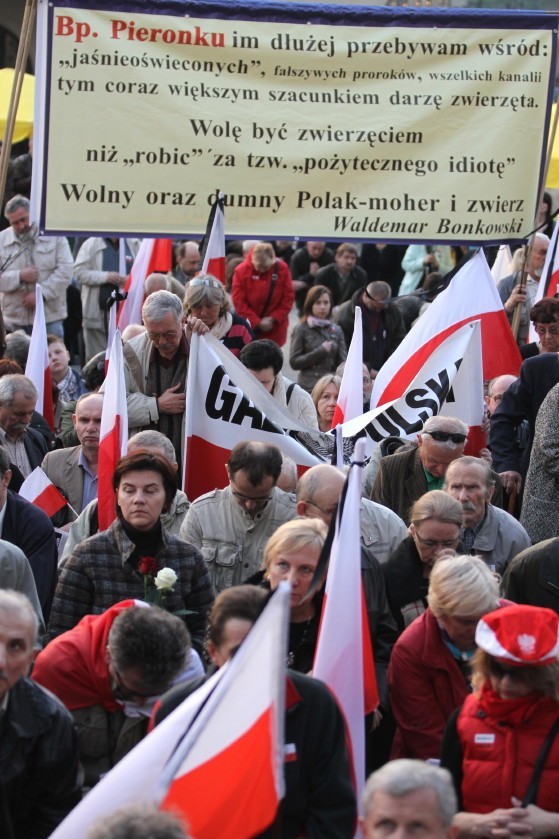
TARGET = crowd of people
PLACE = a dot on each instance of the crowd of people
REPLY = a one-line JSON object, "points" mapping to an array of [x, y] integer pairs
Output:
{"points": [[459, 553]]}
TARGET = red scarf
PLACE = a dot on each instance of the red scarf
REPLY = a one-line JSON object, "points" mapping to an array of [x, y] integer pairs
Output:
{"points": [[511, 711], [73, 666]]}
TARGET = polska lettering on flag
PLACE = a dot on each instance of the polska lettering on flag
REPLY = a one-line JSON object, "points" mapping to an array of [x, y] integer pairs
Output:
{"points": [[471, 295], [226, 405], [40, 490], [424, 397]]}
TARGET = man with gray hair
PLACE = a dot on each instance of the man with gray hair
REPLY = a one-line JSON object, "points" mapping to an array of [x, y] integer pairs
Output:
{"points": [[155, 368], [405, 476], [39, 773], [510, 291], [488, 532], [25, 447], [30, 259], [407, 798], [87, 522]]}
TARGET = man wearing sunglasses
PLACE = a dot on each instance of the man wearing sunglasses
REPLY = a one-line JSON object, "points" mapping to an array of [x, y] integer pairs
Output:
{"points": [[231, 526], [487, 532], [109, 670], [406, 476]]}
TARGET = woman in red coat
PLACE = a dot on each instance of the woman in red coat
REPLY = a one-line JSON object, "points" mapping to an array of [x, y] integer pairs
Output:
{"points": [[494, 744], [262, 293]]}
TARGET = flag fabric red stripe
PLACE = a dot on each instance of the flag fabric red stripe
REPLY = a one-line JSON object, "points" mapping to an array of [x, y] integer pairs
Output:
{"points": [[39, 490], [214, 253], [48, 405], [153, 255], [471, 295], [503, 357], [108, 457], [251, 804]]}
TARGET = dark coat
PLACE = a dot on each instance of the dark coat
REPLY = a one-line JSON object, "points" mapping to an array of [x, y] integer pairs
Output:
{"points": [[38, 763], [319, 800], [400, 481], [405, 583], [393, 324], [28, 527], [342, 289], [533, 576], [36, 446], [522, 400]]}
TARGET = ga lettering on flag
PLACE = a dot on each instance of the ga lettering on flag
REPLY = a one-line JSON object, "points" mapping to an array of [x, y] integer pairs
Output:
{"points": [[113, 435], [344, 658], [213, 261], [471, 295], [220, 772], [350, 397], [40, 490], [37, 368], [226, 405], [425, 396], [153, 255]]}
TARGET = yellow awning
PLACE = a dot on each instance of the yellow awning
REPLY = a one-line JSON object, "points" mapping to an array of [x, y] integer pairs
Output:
{"points": [[24, 121]]}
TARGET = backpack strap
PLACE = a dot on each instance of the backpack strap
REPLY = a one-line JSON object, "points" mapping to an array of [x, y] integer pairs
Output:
{"points": [[288, 392], [532, 792]]}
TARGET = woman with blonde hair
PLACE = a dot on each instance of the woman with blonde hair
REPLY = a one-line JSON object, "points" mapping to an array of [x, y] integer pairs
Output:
{"points": [[325, 397], [206, 299], [502, 746], [429, 673], [434, 533], [292, 554], [317, 345]]}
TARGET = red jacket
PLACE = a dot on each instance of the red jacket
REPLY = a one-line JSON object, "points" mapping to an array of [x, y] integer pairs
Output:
{"points": [[498, 755], [250, 292], [426, 685]]}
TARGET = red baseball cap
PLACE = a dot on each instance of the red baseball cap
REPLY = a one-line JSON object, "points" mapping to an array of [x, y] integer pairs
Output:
{"points": [[522, 636]]}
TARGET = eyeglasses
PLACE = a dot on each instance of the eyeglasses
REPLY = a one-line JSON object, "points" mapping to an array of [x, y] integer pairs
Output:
{"points": [[445, 436], [374, 299], [207, 281], [326, 512], [541, 329], [259, 501], [158, 336], [436, 543], [123, 692], [497, 397]]}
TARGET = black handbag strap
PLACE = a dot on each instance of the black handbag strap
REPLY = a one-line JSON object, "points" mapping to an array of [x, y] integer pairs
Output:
{"points": [[532, 792], [271, 289]]}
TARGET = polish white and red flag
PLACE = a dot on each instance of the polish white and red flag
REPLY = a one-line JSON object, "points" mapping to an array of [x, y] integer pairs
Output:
{"points": [[154, 255], [37, 368], [350, 397], [220, 772], [225, 405], [471, 295], [213, 261], [344, 657], [110, 334], [40, 490], [113, 436], [549, 280]]}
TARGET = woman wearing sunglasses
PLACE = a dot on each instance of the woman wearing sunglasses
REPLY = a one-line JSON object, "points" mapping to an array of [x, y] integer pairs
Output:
{"points": [[502, 746]]}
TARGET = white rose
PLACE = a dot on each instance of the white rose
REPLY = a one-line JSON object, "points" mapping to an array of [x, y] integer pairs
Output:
{"points": [[166, 579]]}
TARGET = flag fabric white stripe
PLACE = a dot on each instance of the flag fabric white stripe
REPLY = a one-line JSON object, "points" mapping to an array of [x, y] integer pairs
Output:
{"points": [[38, 356], [131, 311], [502, 267], [350, 397]]}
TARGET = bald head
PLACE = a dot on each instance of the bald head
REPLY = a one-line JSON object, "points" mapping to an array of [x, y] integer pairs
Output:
{"points": [[87, 424], [495, 391], [318, 492], [155, 282], [188, 258]]}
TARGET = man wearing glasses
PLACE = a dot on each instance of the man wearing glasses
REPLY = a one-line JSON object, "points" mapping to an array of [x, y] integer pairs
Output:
{"points": [[231, 526], [155, 368], [488, 531], [381, 321], [109, 670], [406, 476], [511, 292]]}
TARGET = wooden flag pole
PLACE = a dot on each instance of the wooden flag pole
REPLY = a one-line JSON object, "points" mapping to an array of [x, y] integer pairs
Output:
{"points": [[19, 73]]}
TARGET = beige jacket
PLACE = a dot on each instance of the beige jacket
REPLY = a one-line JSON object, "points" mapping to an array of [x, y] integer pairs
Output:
{"points": [[231, 542], [300, 403], [52, 257], [89, 274]]}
